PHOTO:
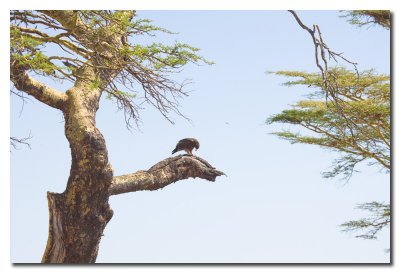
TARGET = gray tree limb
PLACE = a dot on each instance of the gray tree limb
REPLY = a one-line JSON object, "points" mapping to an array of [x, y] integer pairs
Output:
{"points": [[162, 174]]}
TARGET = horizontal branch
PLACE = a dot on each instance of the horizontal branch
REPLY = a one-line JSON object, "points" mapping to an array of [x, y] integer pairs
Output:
{"points": [[164, 173]]}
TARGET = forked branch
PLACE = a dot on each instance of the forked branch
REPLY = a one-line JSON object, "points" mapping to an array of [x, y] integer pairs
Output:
{"points": [[321, 51], [14, 141]]}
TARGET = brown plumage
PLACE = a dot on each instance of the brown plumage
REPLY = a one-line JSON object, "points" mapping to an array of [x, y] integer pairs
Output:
{"points": [[187, 144]]}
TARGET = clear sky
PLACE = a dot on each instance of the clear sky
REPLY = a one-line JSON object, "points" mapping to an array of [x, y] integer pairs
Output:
{"points": [[273, 206]]}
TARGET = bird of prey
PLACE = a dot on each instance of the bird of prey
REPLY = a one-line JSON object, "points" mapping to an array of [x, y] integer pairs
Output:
{"points": [[187, 144]]}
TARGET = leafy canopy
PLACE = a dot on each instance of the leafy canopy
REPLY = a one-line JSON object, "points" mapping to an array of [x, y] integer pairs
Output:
{"points": [[59, 44], [349, 113], [368, 17], [359, 129]]}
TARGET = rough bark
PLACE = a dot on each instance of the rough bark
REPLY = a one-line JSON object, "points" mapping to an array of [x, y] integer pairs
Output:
{"points": [[41, 92], [78, 216], [164, 173]]}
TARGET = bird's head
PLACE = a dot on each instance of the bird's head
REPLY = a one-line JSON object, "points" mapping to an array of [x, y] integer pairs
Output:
{"points": [[194, 143]]}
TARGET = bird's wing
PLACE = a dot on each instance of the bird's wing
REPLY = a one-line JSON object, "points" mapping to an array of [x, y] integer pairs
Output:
{"points": [[183, 143]]}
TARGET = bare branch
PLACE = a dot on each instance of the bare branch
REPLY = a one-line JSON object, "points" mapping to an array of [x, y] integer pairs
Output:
{"points": [[321, 49], [14, 141], [329, 79], [132, 74], [40, 91], [164, 173]]}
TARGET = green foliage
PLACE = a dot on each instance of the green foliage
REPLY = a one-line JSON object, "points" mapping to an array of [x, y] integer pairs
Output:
{"points": [[357, 125], [104, 41], [120, 21], [347, 83], [379, 218], [119, 93], [27, 47], [159, 56], [367, 17], [20, 42], [347, 112], [95, 84], [26, 52]]}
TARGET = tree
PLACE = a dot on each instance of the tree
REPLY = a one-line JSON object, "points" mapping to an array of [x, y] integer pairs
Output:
{"points": [[97, 57], [368, 17], [348, 112], [379, 219], [359, 130]]}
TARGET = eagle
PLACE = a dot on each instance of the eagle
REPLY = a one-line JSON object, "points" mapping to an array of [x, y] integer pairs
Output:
{"points": [[187, 144]]}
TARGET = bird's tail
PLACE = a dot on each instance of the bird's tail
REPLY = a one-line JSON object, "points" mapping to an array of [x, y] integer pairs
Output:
{"points": [[174, 151]]}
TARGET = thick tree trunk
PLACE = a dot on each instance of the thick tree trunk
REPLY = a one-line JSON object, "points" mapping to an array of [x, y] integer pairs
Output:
{"points": [[79, 215]]}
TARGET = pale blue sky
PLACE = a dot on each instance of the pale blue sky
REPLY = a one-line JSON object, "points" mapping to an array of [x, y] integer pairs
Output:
{"points": [[273, 207]]}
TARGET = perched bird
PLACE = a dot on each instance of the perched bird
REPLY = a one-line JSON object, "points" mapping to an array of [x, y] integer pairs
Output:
{"points": [[187, 144]]}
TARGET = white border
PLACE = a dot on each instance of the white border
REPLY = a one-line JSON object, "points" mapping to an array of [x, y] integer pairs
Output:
{"points": [[205, 4], [5, 265]]}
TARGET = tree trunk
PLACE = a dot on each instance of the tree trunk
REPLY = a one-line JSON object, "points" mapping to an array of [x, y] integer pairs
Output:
{"points": [[79, 215]]}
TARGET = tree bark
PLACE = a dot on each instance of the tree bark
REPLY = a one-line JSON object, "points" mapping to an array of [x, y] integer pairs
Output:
{"points": [[164, 173], [32, 87], [78, 216]]}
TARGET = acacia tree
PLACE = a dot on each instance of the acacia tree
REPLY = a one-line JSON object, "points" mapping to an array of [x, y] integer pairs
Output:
{"points": [[359, 130], [368, 17], [95, 53], [348, 112]]}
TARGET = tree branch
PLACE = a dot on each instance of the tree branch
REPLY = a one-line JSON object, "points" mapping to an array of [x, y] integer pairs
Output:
{"points": [[14, 141], [40, 91], [164, 173]]}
